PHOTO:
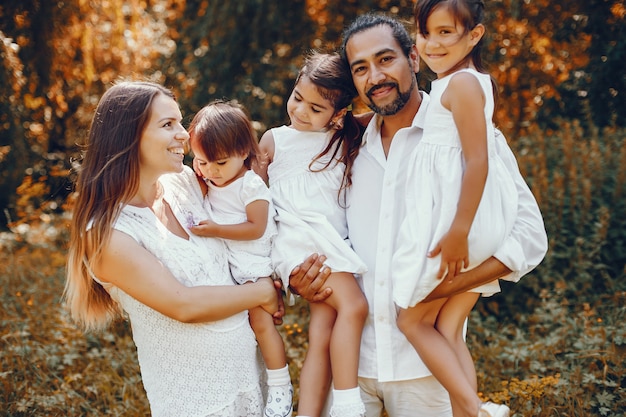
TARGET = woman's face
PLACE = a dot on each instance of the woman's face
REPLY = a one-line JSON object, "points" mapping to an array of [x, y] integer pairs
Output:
{"points": [[161, 147]]}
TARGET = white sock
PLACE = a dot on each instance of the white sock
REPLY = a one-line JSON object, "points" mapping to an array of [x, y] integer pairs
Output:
{"points": [[347, 396], [277, 377]]}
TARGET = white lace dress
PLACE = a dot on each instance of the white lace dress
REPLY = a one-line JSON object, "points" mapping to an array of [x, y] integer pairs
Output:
{"points": [[204, 369], [434, 179], [310, 218], [249, 259]]}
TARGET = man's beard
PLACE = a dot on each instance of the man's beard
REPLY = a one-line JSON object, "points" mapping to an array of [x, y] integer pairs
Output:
{"points": [[396, 105]]}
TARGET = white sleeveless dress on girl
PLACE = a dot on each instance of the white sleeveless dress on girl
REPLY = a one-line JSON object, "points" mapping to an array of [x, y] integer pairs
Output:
{"points": [[310, 218], [201, 369], [249, 259], [433, 190]]}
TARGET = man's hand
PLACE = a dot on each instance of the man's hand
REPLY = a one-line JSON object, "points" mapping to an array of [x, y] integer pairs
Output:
{"points": [[484, 273], [307, 279]]}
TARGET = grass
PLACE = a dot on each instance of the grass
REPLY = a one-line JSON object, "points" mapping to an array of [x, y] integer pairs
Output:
{"points": [[561, 360]]}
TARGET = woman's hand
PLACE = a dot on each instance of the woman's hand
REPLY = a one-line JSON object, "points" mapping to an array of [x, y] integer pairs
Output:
{"points": [[278, 316], [270, 296], [307, 279]]}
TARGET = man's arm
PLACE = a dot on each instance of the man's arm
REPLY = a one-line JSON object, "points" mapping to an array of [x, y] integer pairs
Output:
{"points": [[527, 244], [486, 272], [522, 250]]}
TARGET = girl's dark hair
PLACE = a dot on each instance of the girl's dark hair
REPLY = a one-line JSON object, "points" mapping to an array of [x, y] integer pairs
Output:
{"points": [[468, 13], [333, 81], [221, 129]]}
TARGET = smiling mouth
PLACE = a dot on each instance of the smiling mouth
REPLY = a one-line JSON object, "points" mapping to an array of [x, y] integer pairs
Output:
{"points": [[374, 90], [177, 151]]}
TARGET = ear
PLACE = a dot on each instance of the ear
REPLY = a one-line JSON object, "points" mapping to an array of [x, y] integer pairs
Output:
{"points": [[337, 117], [414, 59], [476, 34]]}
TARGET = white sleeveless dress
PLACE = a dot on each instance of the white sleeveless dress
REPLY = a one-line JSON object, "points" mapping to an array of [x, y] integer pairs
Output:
{"points": [[433, 189], [310, 218], [203, 369]]}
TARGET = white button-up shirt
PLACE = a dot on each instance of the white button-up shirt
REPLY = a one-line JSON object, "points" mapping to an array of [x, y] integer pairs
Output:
{"points": [[374, 214]]}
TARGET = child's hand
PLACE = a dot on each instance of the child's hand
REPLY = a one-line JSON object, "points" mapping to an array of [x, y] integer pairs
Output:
{"points": [[206, 228], [454, 254]]}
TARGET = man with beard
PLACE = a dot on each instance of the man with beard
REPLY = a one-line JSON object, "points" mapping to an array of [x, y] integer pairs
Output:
{"points": [[384, 62]]}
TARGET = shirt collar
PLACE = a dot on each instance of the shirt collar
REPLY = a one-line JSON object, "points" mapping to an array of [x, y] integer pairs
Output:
{"points": [[373, 128]]}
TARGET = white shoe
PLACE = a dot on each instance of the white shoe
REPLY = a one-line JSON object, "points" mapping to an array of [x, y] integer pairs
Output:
{"points": [[490, 409], [279, 401]]}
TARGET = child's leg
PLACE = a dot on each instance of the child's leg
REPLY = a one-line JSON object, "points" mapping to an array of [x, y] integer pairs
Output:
{"points": [[345, 342], [315, 373], [450, 324], [268, 337], [279, 400], [418, 325]]}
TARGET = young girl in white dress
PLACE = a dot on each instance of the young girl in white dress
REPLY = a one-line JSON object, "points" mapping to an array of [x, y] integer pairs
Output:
{"points": [[461, 200], [309, 170], [224, 145]]}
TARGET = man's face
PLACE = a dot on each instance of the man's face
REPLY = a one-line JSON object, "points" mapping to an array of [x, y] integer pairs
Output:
{"points": [[384, 77]]}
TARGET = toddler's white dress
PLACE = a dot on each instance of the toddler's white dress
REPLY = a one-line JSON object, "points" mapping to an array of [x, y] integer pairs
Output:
{"points": [[310, 218], [203, 369], [433, 190], [249, 259]]}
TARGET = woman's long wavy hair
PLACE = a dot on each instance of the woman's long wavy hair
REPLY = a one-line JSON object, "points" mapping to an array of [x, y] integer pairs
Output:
{"points": [[108, 178], [333, 81]]}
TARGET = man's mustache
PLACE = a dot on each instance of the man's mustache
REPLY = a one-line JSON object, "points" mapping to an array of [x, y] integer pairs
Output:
{"points": [[372, 90]]}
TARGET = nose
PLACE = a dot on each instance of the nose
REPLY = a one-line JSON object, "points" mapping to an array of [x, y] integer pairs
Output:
{"points": [[182, 135], [300, 112], [376, 75], [213, 169], [433, 41]]}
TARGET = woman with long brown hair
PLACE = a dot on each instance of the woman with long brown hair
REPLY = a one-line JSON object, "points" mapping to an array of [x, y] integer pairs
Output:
{"points": [[131, 253]]}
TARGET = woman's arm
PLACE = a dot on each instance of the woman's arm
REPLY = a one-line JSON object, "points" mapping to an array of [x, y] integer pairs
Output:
{"points": [[137, 272], [251, 229], [464, 97]]}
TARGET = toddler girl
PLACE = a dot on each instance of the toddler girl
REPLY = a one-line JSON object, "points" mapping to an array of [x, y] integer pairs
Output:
{"points": [[224, 145]]}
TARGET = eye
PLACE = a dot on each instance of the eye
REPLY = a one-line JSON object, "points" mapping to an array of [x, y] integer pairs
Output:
{"points": [[167, 124], [221, 163], [314, 110], [358, 70]]}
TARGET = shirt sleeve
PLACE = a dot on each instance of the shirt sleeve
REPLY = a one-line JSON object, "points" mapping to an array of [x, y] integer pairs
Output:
{"points": [[254, 189], [527, 244]]}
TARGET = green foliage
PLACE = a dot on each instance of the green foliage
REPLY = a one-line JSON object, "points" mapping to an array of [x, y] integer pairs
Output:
{"points": [[579, 180]]}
